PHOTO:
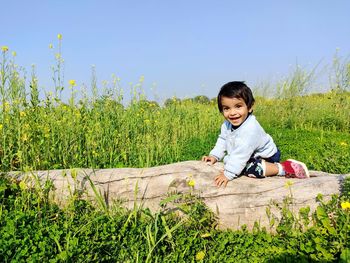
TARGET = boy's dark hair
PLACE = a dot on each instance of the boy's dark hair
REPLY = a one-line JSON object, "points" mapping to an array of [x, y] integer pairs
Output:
{"points": [[238, 90]]}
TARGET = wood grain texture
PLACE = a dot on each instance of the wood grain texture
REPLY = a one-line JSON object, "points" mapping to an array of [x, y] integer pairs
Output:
{"points": [[243, 201]]}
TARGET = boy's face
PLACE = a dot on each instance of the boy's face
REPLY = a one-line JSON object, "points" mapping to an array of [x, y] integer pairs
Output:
{"points": [[235, 110]]}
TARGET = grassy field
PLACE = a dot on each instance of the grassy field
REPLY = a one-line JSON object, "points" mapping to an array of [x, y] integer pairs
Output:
{"points": [[102, 131]]}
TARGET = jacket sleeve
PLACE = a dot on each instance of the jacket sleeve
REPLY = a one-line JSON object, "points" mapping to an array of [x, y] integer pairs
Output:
{"points": [[220, 147]]}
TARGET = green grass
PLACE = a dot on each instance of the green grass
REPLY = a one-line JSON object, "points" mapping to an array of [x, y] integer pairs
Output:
{"points": [[33, 229], [106, 134], [320, 150], [103, 131]]}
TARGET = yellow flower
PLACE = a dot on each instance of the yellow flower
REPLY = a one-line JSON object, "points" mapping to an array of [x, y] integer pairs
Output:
{"points": [[59, 36], [14, 53], [23, 186], [343, 144], [288, 184], [24, 137], [200, 255], [4, 48], [72, 82], [191, 183], [205, 235], [7, 106], [345, 205], [1, 126], [22, 114], [50, 46]]}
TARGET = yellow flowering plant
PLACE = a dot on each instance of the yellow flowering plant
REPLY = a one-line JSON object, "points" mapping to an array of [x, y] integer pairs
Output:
{"points": [[191, 183], [4, 48], [345, 205], [200, 255], [72, 83]]}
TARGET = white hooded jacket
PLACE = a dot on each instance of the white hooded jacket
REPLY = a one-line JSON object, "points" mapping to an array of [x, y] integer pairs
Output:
{"points": [[236, 146]]}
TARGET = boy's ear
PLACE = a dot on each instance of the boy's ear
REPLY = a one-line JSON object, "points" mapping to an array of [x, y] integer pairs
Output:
{"points": [[250, 110]]}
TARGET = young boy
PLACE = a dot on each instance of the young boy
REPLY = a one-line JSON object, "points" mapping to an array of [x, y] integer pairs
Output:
{"points": [[244, 146]]}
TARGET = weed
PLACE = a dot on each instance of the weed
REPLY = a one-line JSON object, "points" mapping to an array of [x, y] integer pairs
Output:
{"points": [[104, 131]]}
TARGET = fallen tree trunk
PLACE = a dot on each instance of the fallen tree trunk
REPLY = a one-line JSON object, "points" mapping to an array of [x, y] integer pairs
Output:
{"points": [[243, 201]]}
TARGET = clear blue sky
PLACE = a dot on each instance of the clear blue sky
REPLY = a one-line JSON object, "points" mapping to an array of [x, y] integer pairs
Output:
{"points": [[186, 47]]}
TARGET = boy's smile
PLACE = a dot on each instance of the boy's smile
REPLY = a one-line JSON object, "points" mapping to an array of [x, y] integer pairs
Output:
{"points": [[235, 110]]}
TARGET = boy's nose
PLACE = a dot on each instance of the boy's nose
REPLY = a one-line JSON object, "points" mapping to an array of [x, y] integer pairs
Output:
{"points": [[232, 112]]}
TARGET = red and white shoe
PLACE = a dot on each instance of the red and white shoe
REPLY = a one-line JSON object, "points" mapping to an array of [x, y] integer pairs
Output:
{"points": [[295, 169]]}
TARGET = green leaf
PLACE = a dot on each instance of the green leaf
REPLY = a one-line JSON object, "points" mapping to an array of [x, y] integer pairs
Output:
{"points": [[345, 255], [323, 217], [169, 199]]}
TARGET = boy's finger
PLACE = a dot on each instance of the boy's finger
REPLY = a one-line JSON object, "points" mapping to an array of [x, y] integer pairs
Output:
{"points": [[208, 160], [218, 182]]}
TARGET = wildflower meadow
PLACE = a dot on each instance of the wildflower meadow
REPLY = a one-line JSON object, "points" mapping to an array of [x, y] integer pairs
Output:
{"points": [[95, 127]]}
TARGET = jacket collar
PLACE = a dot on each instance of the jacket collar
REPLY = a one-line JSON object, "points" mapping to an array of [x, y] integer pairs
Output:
{"points": [[233, 128]]}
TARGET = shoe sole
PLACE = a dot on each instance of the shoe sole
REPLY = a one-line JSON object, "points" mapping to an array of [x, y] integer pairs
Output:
{"points": [[303, 165]]}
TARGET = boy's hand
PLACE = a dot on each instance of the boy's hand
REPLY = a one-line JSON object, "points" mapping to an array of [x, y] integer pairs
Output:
{"points": [[221, 179], [209, 159]]}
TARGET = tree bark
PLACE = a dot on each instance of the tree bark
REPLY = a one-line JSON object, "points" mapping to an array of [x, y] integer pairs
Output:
{"points": [[243, 201]]}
